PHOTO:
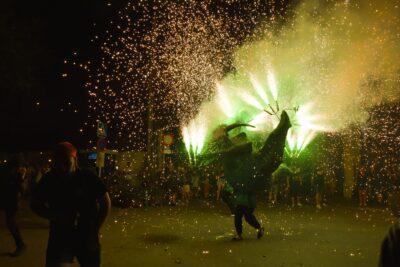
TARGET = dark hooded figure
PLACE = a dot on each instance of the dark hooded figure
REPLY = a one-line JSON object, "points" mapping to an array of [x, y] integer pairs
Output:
{"points": [[247, 172], [390, 249], [76, 203], [12, 176]]}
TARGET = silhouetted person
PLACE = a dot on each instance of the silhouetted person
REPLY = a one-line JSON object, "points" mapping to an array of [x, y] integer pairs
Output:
{"points": [[12, 176], [319, 187], [390, 249], [362, 184], [295, 187], [76, 203]]}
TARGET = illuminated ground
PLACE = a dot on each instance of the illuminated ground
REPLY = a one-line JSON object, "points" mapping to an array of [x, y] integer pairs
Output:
{"points": [[200, 236]]}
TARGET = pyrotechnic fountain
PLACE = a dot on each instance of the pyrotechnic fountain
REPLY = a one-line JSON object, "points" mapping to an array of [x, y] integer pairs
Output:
{"points": [[210, 69], [315, 68], [265, 109]]}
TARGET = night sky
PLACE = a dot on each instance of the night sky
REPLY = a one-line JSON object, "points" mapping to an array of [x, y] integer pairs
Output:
{"points": [[38, 106], [43, 99]]}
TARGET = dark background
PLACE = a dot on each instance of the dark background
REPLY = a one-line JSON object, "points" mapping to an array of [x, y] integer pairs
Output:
{"points": [[38, 106]]}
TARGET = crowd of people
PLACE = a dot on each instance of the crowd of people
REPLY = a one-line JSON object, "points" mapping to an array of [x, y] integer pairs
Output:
{"points": [[288, 185], [374, 186], [76, 201], [285, 186]]}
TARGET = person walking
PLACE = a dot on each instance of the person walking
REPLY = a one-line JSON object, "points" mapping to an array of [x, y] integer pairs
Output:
{"points": [[245, 206], [279, 180], [12, 178], [195, 182], [319, 187], [221, 183], [295, 187], [76, 203], [362, 185]]}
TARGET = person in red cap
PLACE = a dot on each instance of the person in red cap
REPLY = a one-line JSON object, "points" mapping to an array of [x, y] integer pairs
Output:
{"points": [[76, 203]]}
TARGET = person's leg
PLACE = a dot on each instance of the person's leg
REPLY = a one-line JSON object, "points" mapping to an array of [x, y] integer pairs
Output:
{"points": [[12, 226], [275, 194], [89, 258], [218, 191], [58, 264], [57, 256], [299, 194], [364, 198], [183, 195], [299, 201], [206, 192], [252, 220], [324, 200], [318, 200], [239, 210]]}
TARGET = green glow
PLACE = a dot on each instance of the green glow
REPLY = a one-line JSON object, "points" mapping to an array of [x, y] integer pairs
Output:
{"points": [[252, 101], [259, 89], [194, 138], [291, 140], [307, 120], [259, 119], [186, 139], [247, 105], [303, 131], [223, 101], [298, 138], [197, 134], [272, 85]]}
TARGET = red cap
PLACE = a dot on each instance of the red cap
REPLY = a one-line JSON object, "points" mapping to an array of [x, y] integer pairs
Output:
{"points": [[67, 148]]}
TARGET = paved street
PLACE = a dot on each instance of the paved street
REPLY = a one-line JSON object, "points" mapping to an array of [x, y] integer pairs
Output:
{"points": [[199, 235]]}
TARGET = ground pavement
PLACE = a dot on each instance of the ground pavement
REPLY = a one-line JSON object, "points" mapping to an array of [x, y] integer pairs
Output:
{"points": [[200, 235]]}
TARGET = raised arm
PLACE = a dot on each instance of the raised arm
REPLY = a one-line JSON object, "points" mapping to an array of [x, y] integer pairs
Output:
{"points": [[271, 154]]}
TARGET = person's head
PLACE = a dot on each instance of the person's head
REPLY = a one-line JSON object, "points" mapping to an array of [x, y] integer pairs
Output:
{"points": [[65, 157]]}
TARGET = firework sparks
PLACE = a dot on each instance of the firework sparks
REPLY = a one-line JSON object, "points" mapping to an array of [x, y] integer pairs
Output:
{"points": [[259, 89], [223, 102], [172, 59], [272, 85]]}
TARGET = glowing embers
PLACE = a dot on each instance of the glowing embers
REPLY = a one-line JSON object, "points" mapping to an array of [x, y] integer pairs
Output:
{"points": [[297, 140], [260, 101], [306, 119], [223, 101], [194, 135], [304, 130]]}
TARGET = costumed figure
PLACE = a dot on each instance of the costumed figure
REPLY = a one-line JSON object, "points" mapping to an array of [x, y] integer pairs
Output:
{"points": [[246, 171]]}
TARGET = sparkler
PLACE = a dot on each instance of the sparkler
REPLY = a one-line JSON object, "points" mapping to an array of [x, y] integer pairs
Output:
{"points": [[194, 135]]}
